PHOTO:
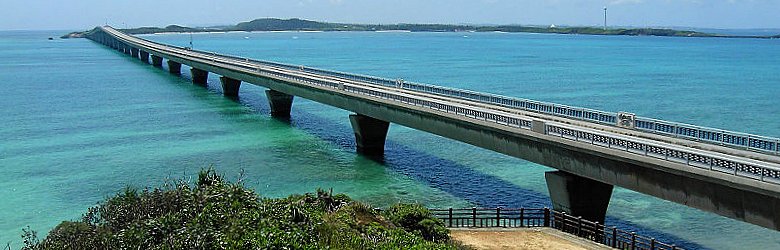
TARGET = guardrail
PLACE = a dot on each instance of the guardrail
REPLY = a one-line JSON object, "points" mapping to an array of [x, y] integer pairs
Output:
{"points": [[678, 130], [763, 144], [693, 158], [545, 217]]}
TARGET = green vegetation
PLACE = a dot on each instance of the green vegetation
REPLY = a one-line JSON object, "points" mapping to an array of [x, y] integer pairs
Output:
{"points": [[169, 28], [215, 214], [274, 24]]}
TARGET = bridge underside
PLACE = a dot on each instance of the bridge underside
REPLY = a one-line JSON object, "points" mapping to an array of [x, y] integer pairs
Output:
{"points": [[593, 163], [588, 172]]}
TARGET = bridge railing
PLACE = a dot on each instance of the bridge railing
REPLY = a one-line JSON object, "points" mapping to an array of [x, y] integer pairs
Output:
{"points": [[763, 144], [687, 157], [712, 162], [674, 129], [545, 217]]}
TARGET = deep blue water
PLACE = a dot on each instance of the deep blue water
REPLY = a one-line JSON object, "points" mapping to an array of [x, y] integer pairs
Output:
{"points": [[80, 121]]}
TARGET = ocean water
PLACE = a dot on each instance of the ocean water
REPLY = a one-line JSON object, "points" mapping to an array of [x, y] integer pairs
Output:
{"points": [[80, 122]]}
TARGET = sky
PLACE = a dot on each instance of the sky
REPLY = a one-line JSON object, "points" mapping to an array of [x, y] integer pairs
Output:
{"points": [[85, 14]]}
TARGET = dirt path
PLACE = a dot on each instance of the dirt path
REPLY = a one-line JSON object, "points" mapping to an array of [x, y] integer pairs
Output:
{"points": [[531, 238]]}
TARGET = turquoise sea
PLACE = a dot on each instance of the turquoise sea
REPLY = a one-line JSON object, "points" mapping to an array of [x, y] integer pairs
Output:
{"points": [[80, 121]]}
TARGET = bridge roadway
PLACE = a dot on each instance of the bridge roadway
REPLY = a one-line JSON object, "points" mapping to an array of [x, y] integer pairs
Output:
{"points": [[734, 176]]}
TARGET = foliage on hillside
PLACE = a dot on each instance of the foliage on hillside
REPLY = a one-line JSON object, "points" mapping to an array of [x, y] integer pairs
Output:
{"points": [[215, 214], [169, 28]]}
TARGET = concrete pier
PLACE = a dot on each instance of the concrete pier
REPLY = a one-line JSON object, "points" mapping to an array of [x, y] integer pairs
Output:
{"points": [[578, 196], [280, 103], [144, 56], [230, 86], [134, 52], [370, 134], [157, 61], [199, 77], [174, 67]]}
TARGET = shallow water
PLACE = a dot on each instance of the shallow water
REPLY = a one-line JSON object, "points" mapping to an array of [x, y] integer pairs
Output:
{"points": [[80, 121]]}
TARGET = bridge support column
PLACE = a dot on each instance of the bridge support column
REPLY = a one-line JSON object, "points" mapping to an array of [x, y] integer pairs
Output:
{"points": [[156, 61], [280, 103], [144, 56], [174, 67], [230, 86], [578, 196], [370, 134], [133, 52], [199, 77]]}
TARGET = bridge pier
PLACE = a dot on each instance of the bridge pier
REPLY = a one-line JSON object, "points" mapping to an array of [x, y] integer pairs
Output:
{"points": [[174, 67], [370, 134], [230, 86], [578, 196], [157, 61], [199, 77], [280, 103], [144, 56], [134, 52]]}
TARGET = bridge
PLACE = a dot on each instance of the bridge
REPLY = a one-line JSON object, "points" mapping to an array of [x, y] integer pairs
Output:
{"points": [[729, 173]]}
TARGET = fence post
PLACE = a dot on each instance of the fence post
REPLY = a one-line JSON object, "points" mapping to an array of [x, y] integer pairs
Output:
{"points": [[674, 247], [450, 217], [561, 221], [652, 243], [579, 226], [474, 216], [546, 217], [596, 234], [522, 216], [498, 216], [633, 240], [614, 237]]}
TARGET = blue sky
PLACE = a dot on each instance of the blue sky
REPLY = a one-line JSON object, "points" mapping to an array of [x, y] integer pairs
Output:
{"points": [[83, 14]]}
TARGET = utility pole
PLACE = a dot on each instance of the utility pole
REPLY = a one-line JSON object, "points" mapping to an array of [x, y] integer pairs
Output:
{"points": [[605, 17]]}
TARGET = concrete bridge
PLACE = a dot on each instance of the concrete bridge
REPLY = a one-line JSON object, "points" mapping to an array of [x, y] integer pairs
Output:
{"points": [[728, 173]]}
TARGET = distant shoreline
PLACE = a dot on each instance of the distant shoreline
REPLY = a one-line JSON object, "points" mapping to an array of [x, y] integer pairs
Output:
{"points": [[281, 25]]}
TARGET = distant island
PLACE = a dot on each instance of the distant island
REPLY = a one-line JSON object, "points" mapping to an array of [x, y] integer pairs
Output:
{"points": [[294, 24]]}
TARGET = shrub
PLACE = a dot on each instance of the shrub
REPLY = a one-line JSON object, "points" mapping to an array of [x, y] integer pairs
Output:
{"points": [[216, 214], [416, 218]]}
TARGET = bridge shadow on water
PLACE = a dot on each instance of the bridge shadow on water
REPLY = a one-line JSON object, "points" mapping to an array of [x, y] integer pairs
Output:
{"points": [[481, 189]]}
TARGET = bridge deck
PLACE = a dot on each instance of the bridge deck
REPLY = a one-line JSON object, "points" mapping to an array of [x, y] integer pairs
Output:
{"points": [[682, 145]]}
